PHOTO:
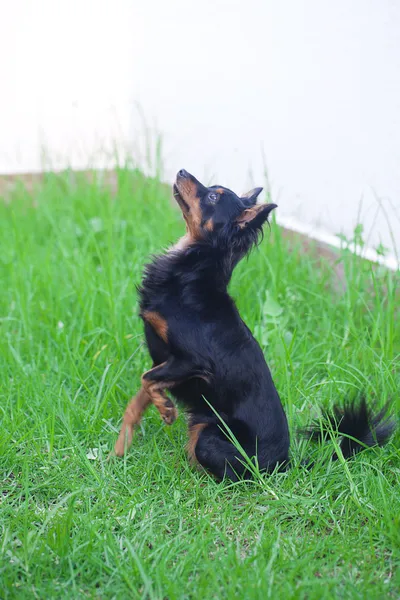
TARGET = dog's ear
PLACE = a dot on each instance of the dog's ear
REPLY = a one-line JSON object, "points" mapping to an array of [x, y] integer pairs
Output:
{"points": [[255, 216], [252, 195]]}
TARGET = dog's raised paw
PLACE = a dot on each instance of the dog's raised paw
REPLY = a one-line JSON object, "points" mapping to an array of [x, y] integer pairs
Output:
{"points": [[170, 415]]}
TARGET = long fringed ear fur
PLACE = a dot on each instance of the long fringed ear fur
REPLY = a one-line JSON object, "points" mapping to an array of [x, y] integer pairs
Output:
{"points": [[255, 216]]}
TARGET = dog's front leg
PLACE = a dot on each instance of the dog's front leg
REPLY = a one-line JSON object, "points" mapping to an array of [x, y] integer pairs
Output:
{"points": [[154, 383], [132, 416], [164, 377]]}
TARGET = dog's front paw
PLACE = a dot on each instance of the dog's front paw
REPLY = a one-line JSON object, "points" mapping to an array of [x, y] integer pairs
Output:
{"points": [[119, 450], [170, 414]]}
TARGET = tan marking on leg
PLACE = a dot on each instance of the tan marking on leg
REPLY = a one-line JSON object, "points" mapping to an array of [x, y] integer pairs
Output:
{"points": [[155, 390], [194, 434], [158, 323], [132, 416]]}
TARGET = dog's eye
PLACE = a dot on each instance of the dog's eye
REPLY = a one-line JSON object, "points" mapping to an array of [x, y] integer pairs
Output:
{"points": [[212, 198]]}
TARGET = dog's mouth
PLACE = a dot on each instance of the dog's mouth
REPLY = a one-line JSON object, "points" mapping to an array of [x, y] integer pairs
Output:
{"points": [[184, 206]]}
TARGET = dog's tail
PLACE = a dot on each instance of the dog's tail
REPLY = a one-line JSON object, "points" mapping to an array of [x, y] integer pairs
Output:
{"points": [[357, 426]]}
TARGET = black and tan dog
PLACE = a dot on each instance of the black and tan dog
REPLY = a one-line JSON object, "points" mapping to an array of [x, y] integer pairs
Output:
{"points": [[201, 348]]}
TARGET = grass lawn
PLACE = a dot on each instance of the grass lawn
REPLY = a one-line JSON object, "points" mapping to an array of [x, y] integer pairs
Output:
{"points": [[72, 351]]}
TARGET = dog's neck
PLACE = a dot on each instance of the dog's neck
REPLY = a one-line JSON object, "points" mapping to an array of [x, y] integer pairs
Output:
{"points": [[202, 264]]}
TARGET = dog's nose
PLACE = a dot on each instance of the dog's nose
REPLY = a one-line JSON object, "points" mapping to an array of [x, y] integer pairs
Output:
{"points": [[182, 173]]}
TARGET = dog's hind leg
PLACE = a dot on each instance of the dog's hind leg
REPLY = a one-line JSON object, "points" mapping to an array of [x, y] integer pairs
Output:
{"points": [[210, 447], [132, 416]]}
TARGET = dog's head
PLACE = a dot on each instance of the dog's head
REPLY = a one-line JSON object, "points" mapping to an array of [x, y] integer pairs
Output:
{"points": [[217, 215]]}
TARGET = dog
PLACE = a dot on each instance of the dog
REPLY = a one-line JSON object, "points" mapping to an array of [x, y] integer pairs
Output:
{"points": [[205, 355]]}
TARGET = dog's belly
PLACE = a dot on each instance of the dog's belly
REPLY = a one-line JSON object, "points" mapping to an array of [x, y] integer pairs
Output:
{"points": [[191, 394]]}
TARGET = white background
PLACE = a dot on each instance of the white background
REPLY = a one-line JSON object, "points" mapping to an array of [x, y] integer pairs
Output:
{"points": [[310, 89]]}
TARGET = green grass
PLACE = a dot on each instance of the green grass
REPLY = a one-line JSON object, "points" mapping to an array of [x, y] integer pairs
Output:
{"points": [[71, 349]]}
